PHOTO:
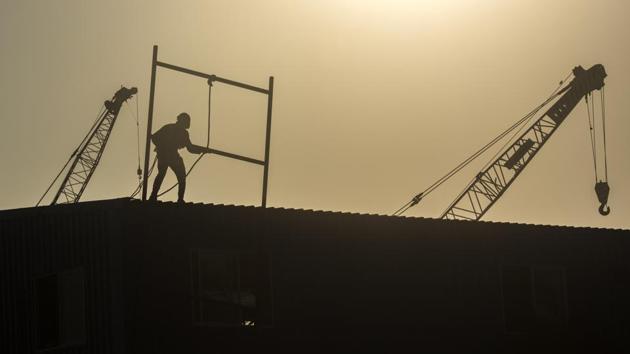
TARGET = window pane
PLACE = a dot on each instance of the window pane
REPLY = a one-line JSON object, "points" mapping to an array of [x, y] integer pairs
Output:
{"points": [[217, 292], [47, 311], [517, 298], [550, 296], [72, 309]]}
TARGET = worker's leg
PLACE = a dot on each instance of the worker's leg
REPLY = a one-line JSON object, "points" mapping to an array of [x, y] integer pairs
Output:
{"points": [[180, 171], [157, 182]]}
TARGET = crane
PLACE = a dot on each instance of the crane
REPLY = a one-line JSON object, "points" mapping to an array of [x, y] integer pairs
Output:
{"points": [[498, 175], [87, 155]]}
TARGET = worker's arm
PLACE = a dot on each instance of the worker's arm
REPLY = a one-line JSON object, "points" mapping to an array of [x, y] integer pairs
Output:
{"points": [[196, 149]]}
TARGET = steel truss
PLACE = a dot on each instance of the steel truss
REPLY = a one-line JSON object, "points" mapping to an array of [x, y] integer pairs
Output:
{"points": [[490, 184], [89, 152]]}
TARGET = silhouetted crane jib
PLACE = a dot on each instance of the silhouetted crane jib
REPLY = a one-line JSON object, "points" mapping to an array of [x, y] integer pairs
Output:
{"points": [[89, 152], [492, 182], [495, 178]]}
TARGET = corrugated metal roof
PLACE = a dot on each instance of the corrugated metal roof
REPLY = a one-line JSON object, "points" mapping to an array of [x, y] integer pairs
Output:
{"points": [[124, 202]]}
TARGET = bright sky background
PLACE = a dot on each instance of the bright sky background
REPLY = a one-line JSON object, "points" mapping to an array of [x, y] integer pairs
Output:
{"points": [[374, 100]]}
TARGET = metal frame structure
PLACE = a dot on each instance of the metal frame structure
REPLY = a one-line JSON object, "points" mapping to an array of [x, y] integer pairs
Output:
{"points": [[211, 79]]}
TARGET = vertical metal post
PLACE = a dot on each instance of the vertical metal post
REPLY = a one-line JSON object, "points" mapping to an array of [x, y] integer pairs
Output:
{"points": [[267, 142], [147, 149], [209, 110]]}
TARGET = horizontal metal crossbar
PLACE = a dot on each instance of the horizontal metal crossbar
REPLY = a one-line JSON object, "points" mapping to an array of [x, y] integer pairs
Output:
{"points": [[214, 78], [237, 157]]}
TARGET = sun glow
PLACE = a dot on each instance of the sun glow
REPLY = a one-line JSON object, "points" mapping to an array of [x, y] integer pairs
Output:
{"points": [[403, 11]]}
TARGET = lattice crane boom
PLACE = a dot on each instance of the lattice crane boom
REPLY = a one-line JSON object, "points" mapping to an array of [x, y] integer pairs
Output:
{"points": [[490, 184], [89, 152]]}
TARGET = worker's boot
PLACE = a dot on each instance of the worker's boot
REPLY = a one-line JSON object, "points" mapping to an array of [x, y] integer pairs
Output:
{"points": [[154, 195], [181, 190]]}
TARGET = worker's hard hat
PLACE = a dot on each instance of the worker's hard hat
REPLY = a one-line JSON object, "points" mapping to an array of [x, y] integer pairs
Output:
{"points": [[183, 117]]}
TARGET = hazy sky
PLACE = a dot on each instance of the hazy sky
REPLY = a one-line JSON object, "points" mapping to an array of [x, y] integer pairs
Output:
{"points": [[374, 100]]}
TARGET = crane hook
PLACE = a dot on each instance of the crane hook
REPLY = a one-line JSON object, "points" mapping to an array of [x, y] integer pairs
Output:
{"points": [[602, 190]]}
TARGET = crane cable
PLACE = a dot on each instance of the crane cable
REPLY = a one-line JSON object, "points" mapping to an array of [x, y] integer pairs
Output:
{"points": [[136, 117], [416, 199], [139, 170], [602, 189], [590, 113], [603, 99]]}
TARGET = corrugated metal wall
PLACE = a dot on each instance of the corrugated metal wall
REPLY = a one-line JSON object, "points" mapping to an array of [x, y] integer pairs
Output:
{"points": [[332, 275], [43, 241]]}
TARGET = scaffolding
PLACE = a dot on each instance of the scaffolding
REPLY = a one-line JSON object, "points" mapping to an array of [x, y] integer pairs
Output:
{"points": [[211, 79]]}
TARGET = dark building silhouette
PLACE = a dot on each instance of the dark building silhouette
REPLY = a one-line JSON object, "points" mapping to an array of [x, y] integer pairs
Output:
{"points": [[122, 276]]}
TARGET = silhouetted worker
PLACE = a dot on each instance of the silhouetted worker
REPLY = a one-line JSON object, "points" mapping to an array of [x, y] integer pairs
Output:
{"points": [[167, 141]]}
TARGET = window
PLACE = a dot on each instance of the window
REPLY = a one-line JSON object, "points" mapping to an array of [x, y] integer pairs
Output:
{"points": [[517, 298], [534, 298], [550, 298], [231, 288], [60, 302]]}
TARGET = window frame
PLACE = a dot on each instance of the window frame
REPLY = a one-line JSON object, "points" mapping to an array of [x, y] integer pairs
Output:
{"points": [[197, 298], [62, 339]]}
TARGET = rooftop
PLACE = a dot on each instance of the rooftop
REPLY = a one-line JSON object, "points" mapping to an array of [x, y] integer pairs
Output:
{"points": [[128, 202]]}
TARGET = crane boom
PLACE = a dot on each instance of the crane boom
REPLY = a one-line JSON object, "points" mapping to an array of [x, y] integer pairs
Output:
{"points": [[89, 152], [490, 184]]}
